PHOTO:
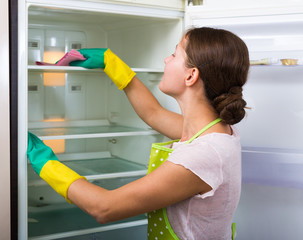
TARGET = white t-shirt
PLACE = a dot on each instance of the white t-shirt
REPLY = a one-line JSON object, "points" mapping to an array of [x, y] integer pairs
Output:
{"points": [[216, 159]]}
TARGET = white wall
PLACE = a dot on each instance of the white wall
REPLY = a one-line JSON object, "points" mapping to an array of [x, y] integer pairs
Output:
{"points": [[4, 125]]}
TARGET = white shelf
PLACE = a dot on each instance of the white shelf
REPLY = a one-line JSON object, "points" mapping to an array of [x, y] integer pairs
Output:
{"points": [[68, 69]]}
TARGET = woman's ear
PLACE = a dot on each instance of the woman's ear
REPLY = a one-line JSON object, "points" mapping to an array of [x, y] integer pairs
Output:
{"points": [[192, 77]]}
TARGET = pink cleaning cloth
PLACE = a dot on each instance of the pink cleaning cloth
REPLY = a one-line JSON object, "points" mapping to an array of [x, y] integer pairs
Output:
{"points": [[71, 56]]}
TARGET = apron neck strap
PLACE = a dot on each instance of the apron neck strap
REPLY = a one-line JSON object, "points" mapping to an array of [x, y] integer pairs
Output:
{"points": [[204, 129]]}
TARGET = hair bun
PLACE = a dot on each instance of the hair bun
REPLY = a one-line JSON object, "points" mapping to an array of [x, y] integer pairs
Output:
{"points": [[230, 106], [236, 90]]}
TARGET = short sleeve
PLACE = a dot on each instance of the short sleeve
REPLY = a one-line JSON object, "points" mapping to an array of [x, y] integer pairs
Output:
{"points": [[201, 159]]}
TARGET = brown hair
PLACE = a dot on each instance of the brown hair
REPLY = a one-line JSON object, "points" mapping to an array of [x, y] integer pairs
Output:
{"points": [[223, 61]]}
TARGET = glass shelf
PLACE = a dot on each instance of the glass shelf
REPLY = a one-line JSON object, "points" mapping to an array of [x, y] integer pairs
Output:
{"points": [[39, 68], [51, 217], [89, 132], [137, 232], [71, 221], [102, 166], [99, 168]]}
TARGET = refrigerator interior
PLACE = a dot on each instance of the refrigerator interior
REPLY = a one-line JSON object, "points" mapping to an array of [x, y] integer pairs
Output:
{"points": [[82, 115], [271, 134]]}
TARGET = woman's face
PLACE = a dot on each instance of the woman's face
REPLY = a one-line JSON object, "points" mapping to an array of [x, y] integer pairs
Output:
{"points": [[175, 72]]}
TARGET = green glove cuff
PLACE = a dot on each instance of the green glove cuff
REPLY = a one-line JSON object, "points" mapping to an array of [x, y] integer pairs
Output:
{"points": [[59, 177]]}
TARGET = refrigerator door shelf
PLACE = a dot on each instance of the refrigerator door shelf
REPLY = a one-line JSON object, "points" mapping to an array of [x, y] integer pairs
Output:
{"points": [[278, 72], [236, 9], [274, 95], [281, 69], [268, 35], [273, 167]]}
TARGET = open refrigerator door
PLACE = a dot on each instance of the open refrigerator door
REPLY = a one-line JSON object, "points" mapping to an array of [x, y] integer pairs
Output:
{"points": [[271, 133]]}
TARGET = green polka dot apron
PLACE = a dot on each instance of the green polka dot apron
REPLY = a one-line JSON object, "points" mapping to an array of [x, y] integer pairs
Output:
{"points": [[159, 227]]}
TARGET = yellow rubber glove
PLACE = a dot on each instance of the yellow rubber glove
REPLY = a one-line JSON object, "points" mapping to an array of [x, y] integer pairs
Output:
{"points": [[117, 70], [114, 67], [49, 168]]}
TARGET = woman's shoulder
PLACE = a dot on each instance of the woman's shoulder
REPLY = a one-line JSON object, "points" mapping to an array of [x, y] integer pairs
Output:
{"points": [[210, 146], [216, 138], [213, 138]]}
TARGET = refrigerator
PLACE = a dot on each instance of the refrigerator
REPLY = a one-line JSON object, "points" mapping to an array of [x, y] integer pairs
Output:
{"points": [[93, 129]]}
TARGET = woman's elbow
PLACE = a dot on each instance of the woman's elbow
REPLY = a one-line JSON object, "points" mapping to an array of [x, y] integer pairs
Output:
{"points": [[101, 213], [101, 219]]}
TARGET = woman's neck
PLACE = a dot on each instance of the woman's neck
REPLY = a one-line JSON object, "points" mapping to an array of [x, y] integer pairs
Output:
{"points": [[198, 112], [196, 116]]}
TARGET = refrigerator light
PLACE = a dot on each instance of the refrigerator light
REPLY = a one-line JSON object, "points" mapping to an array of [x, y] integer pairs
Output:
{"points": [[54, 120], [52, 56], [54, 79]]}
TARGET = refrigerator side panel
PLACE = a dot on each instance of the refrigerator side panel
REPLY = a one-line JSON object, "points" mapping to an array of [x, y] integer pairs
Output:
{"points": [[4, 123], [22, 120]]}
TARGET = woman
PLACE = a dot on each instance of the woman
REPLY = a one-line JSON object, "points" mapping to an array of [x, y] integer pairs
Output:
{"points": [[194, 193]]}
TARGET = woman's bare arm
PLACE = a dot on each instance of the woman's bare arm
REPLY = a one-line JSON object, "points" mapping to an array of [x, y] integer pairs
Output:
{"points": [[168, 184], [151, 112]]}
